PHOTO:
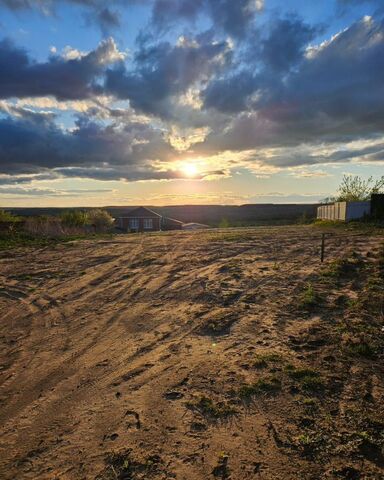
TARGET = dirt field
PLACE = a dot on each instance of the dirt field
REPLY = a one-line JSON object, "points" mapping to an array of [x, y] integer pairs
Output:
{"points": [[193, 356]]}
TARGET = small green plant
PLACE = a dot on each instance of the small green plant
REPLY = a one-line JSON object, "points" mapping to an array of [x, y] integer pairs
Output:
{"points": [[224, 223], [309, 443], [308, 298], [263, 386]]}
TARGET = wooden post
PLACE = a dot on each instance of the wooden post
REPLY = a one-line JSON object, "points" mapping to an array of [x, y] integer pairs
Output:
{"points": [[322, 247]]}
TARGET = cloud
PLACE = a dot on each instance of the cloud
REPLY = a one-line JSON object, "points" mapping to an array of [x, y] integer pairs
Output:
{"points": [[65, 79], [231, 17], [285, 45], [50, 192], [92, 150], [336, 94], [276, 100], [96, 10], [268, 60], [230, 94], [163, 71]]}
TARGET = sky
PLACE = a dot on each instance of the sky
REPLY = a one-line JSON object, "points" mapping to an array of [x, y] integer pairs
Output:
{"points": [[164, 102]]}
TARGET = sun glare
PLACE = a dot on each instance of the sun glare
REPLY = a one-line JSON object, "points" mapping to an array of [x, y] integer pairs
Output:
{"points": [[189, 169]]}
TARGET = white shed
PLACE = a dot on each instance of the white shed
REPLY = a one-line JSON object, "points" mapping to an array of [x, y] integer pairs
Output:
{"points": [[344, 211]]}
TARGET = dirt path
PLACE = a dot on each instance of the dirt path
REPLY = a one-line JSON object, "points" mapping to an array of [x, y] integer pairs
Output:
{"points": [[111, 345]]}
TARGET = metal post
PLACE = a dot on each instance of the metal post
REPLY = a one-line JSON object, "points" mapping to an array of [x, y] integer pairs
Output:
{"points": [[322, 247]]}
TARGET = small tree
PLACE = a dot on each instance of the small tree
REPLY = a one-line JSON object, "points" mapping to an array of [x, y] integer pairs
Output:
{"points": [[353, 188], [224, 223], [101, 219]]}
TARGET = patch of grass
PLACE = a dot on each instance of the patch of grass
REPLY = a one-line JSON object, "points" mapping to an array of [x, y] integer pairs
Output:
{"points": [[235, 236], [362, 349], [263, 386], [18, 239], [367, 227], [309, 403], [22, 239], [264, 359], [216, 410], [312, 384], [342, 267], [309, 298], [307, 378]]}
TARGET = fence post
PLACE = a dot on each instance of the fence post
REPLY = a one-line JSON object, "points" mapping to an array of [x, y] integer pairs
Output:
{"points": [[322, 247]]}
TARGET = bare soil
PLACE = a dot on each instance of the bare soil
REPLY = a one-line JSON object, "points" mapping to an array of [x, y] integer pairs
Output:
{"points": [[229, 354]]}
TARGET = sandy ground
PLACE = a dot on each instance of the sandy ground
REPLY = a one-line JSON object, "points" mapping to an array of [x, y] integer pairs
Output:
{"points": [[124, 358]]}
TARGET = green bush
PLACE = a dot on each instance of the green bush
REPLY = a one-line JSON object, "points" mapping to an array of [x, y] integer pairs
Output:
{"points": [[8, 217], [74, 218], [100, 219]]}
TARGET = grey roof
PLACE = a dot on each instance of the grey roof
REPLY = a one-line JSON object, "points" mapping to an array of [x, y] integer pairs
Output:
{"points": [[142, 212]]}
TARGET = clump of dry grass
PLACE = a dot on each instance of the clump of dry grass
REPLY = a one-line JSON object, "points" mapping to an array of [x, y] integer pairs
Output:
{"points": [[218, 324], [208, 407], [122, 466]]}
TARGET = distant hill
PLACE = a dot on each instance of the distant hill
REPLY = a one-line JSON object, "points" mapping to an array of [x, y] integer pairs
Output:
{"points": [[214, 215]]}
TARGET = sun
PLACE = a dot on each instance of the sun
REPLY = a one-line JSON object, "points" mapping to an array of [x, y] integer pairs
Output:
{"points": [[190, 169]]}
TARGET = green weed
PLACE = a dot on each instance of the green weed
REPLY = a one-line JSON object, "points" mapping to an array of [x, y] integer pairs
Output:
{"points": [[309, 298]]}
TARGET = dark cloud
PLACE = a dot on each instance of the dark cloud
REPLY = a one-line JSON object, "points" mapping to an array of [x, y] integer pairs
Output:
{"points": [[162, 71], [230, 94], [269, 59], [90, 150], [274, 90], [23, 179], [66, 79], [108, 18], [285, 45], [335, 94], [97, 10], [50, 192], [231, 17]]}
